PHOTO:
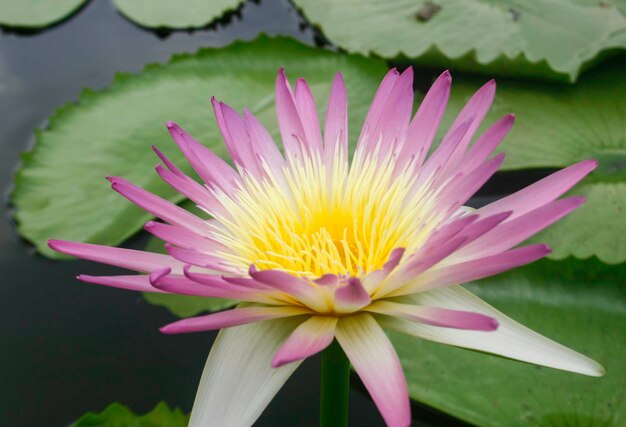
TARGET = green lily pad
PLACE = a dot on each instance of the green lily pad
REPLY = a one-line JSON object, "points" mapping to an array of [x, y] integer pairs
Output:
{"points": [[175, 14], [118, 415], [31, 14], [553, 39], [60, 190], [557, 126], [581, 304]]}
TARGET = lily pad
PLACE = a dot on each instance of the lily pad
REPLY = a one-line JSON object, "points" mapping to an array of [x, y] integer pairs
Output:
{"points": [[554, 39], [557, 126], [60, 190], [118, 415], [31, 14], [581, 304], [175, 14]]}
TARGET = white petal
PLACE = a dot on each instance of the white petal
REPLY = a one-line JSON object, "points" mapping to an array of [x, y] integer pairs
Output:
{"points": [[375, 360], [511, 339], [238, 381]]}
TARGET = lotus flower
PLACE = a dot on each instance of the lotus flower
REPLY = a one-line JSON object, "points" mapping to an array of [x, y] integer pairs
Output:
{"points": [[319, 248]]}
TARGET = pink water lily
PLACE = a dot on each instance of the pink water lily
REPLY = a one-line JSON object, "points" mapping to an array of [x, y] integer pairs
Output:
{"points": [[319, 248]]}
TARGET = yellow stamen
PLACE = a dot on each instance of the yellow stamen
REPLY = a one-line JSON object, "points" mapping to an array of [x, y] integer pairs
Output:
{"points": [[317, 219]]}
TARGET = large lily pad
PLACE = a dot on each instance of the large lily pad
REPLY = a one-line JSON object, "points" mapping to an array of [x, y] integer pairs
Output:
{"points": [[557, 126], [175, 14], [543, 38], [118, 415], [60, 189], [581, 304], [36, 13]]}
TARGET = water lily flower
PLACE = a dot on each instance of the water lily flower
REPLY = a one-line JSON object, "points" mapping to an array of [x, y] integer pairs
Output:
{"points": [[319, 248]]}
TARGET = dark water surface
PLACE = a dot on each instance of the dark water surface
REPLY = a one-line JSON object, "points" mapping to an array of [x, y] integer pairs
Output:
{"points": [[66, 347]]}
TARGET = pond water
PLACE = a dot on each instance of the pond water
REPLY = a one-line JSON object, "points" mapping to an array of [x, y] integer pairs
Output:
{"points": [[68, 348]]}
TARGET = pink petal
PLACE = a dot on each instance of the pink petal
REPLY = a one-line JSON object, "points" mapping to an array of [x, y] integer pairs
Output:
{"points": [[288, 119], [263, 143], [191, 189], [477, 269], [184, 238], [230, 318], [351, 297], [236, 137], [137, 282], [447, 231], [486, 144], [308, 339], [375, 360], [475, 111], [374, 278], [394, 259], [541, 192], [424, 125], [159, 207], [439, 159], [125, 258], [328, 280], [416, 265], [379, 102], [187, 186], [246, 282], [307, 111], [443, 317], [479, 228], [168, 163], [458, 193], [217, 288], [208, 165], [515, 231], [285, 282], [200, 259], [336, 125], [390, 115]]}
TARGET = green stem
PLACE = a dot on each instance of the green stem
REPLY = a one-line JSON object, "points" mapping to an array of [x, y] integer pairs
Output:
{"points": [[335, 387]]}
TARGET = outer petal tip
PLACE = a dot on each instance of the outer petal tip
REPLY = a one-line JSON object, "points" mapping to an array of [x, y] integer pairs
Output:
{"points": [[277, 362], [493, 324], [600, 370], [170, 124], [546, 249], [167, 330], [593, 163]]}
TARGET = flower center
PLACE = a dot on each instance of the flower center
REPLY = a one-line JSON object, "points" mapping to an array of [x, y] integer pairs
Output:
{"points": [[310, 222]]}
